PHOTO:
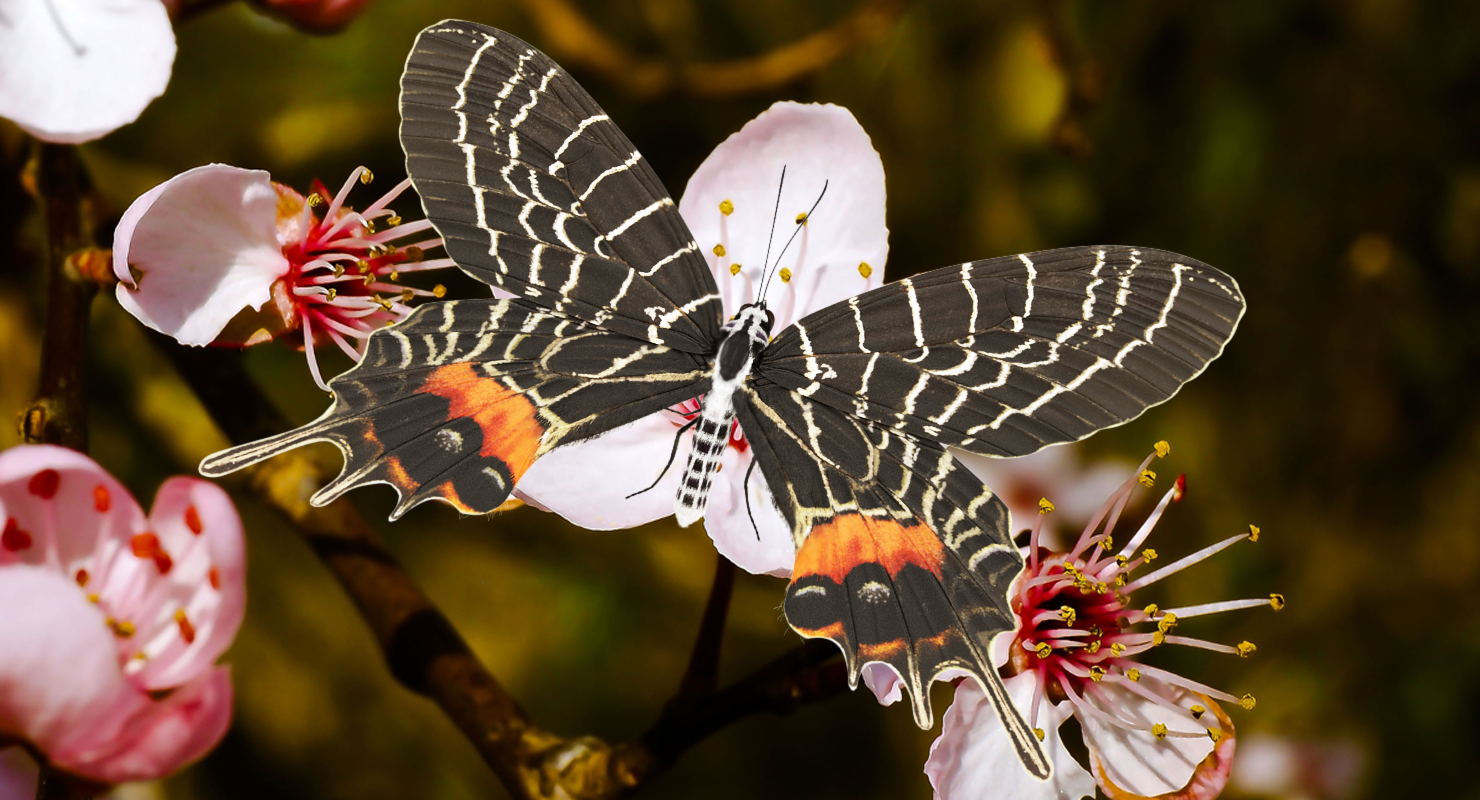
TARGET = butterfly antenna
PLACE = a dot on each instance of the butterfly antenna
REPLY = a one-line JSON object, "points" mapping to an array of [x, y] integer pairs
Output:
{"points": [[800, 222], [774, 212]]}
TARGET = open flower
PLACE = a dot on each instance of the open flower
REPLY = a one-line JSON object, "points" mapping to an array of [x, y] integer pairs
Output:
{"points": [[729, 202], [113, 620], [74, 70], [222, 255], [1150, 732]]}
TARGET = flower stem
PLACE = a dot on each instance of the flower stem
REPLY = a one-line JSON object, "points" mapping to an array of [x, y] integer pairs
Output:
{"points": [[703, 672], [58, 415]]}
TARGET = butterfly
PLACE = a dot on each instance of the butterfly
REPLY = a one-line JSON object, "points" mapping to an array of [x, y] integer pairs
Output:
{"points": [[902, 556]]}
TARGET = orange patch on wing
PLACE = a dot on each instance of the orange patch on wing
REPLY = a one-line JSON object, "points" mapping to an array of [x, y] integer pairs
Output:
{"points": [[883, 651], [511, 431], [833, 631], [835, 547]]}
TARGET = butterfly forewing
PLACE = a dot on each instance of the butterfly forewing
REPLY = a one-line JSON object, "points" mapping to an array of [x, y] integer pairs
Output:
{"points": [[535, 190], [458, 401], [1005, 356]]}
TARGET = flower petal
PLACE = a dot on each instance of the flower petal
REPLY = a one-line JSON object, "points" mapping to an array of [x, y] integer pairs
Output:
{"points": [[762, 547], [1053, 472], [166, 736], [816, 144], [61, 509], [884, 681], [316, 16], [74, 70], [60, 685], [1133, 763], [974, 757], [588, 482], [205, 243], [198, 526]]}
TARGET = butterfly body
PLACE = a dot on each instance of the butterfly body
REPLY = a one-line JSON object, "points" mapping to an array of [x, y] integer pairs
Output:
{"points": [[902, 556], [743, 338]]}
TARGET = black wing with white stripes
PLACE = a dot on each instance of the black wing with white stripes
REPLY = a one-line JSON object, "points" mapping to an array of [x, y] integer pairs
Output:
{"points": [[1005, 356], [536, 191]]}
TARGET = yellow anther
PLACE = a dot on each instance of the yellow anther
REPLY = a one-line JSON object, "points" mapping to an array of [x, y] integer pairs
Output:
{"points": [[1120, 579], [414, 254], [719, 250], [1043, 650], [439, 291], [1162, 447], [1197, 711], [1159, 638], [315, 200], [362, 266], [1071, 568], [1149, 555], [726, 207], [1159, 730], [366, 176], [1068, 614], [1246, 649], [368, 278], [384, 303], [1152, 610], [1167, 622], [1121, 561], [1044, 507], [92, 597], [785, 275], [369, 226], [1277, 602], [1117, 648], [406, 295], [1096, 674], [734, 269], [393, 220], [1039, 733], [1133, 674], [1215, 735], [1096, 632], [395, 275], [802, 218], [1247, 701], [1148, 478], [1253, 533], [122, 630], [864, 269], [331, 294], [1093, 646], [339, 270]]}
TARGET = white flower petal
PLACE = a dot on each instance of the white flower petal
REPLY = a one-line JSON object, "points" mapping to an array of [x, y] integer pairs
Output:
{"points": [[74, 70], [1134, 760], [205, 242], [817, 144], [884, 681], [588, 482], [764, 547], [974, 757]]}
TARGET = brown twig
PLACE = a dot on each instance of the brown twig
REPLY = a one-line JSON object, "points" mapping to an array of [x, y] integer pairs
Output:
{"points": [[573, 39], [58, 415], [702, 676]]}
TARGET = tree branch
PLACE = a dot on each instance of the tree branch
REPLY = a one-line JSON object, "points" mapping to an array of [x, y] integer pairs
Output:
{"points": [[58, 415]]}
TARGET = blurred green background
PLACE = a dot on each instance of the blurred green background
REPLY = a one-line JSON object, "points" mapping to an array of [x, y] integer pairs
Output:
{"points": [[1326, 154]]}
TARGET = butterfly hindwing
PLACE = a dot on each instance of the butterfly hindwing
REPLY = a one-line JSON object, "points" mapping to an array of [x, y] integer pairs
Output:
{"points": [[535, 190], [1005, 356], [457, 401], [903, 556]]}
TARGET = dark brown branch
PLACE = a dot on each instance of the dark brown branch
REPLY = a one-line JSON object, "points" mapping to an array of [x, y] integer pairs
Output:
{"points": [[573, 39], [58, 415], [703, 673]]}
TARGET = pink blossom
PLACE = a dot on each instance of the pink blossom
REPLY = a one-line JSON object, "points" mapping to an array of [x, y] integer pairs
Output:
{"points": [[113, 620], [74, 70], [1150, 732], [222, 255], [728, 205], [1055, 471]]}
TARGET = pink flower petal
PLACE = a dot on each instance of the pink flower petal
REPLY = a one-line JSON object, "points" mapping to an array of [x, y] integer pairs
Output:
{"points": [[166, 736], [588, 482], [884, 681], [974, 757], [205, 244], [66, 510], [317, 16], [816, 144], [1135, 763], [1053, 472], [74, 70], [762, 547], [60, 685], [198, 526]]}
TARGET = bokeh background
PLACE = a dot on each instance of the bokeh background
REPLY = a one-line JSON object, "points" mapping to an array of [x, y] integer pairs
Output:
{"points": [[1325, 153]]}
